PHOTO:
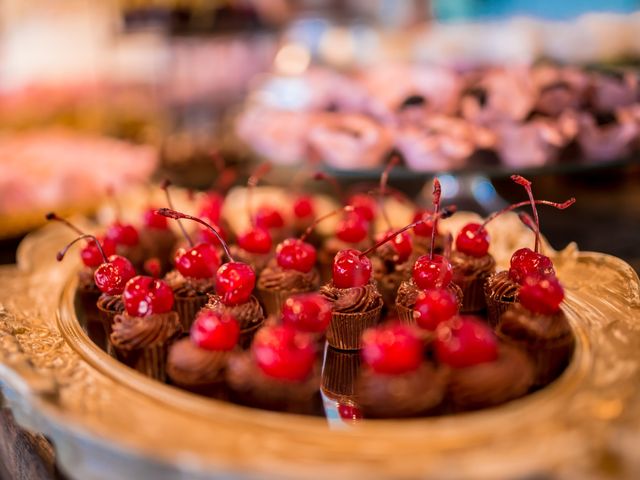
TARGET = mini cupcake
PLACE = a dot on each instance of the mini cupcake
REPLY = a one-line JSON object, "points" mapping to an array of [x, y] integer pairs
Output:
{"points": [[422, 234], [356, 302], [482, 372], [352, 232], [427, 274], [249, 315], [291, 271], [392, 264], [198, 363], [395, 380], [280, 372], [538, 326], [143, 332]]}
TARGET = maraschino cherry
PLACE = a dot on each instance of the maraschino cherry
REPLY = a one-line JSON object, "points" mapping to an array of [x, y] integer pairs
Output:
{"points": [[112, 274], [295, 253], [473, 238], [541, 295], [90, 253], [150, 219], [465, 341], [303, 208], [434, 307], [212, 330], [433, 271], [307, 312], [144, 296], [392, 349], [364, 206], [283, 353], [198, 261], [525, 262], [352, 268], [234, 280], [257, 238], [122, 233]]}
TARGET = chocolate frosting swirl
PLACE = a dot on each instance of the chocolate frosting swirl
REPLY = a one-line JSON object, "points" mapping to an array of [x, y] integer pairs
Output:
{"points": [[248, 314], [131, 333], [405, 395], [111, 303], [492, 383], [467, 267], [499, 286], [187, 286], [274, 277], [189, 365], [352, 300], [534, 329]]}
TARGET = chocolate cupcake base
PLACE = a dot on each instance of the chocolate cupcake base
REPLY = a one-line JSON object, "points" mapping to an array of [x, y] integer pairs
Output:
{"points": [[150, 361], [188, 307], [345, 329]]}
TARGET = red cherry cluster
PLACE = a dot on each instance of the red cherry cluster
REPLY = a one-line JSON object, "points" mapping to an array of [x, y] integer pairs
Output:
{"points": [[235, 281], [144, 296], [217, 331]]}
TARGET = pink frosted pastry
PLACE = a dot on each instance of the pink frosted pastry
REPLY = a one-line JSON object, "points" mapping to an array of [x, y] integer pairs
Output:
{"points": [[349, 141], [559, 89], [531, 144], [605, 137], [612, 90], [278, 135], [500, 94], [392, 87]]}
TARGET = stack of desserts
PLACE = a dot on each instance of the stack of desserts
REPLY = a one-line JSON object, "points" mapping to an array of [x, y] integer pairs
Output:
{"points": [[407, 321]]}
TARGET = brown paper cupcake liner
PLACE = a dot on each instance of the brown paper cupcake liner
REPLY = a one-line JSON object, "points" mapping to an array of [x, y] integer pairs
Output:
{"points": [[272, 300], [345, 329], [405, 314], [87, 300], [188, 308], [473, 298], [150, 361], [339, 372], [106, 319], [247, 334], [495, 308]]}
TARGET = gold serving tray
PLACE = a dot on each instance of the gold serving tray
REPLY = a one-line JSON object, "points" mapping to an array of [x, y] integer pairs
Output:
{"points": [[108, 421]]}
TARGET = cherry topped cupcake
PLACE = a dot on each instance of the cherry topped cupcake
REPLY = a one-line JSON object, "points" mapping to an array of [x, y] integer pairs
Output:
{"points": [[501, 288], [291, 271], [234, 284], [482, 371], [395, 380], [538, 325], [157, 238], [144, 331], [110, 277], [198, 363], [280, 372]]}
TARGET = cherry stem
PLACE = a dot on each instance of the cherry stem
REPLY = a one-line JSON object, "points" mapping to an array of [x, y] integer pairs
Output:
{"points": [[559, 206], [60, 255], [445, 213], [384, 179], [527, 186], [165, 186], [333, 182], [257, 175], [437, 194], [53, 217], [170, 213], [315, 223]]}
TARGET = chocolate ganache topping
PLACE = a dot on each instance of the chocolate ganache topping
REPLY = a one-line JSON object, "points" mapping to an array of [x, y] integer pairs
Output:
{"points": [[500, 286], [187, 286], [190, 365], [469, 267], [352, 300], [248, 314], [131, 333], [534, 329], [405, 395], [274, 277], [492, 383], [111, 303]]}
